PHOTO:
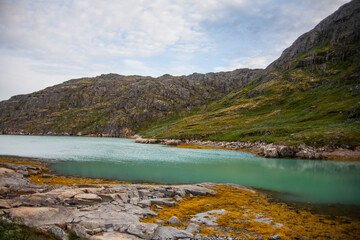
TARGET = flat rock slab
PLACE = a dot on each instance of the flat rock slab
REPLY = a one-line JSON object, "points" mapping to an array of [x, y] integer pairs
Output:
{"points": [[39, 216], [115, 236], [86, 198]]}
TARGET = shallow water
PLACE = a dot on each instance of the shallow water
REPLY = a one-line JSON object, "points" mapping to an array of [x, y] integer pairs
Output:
{"points": [[123, 159]]}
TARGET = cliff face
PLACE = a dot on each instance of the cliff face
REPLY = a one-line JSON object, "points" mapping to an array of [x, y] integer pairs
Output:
{"points": [[338, 30], [115, 105]]}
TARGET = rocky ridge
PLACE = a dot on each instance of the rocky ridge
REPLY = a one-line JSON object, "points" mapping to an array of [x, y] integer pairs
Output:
{"points": [[113, 105]]}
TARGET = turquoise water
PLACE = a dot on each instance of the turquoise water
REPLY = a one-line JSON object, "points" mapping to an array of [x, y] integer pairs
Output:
{"points": [[123, 159]]}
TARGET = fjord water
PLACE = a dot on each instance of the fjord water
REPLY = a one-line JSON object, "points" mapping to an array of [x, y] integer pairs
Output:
{"points": [[123, 159]]}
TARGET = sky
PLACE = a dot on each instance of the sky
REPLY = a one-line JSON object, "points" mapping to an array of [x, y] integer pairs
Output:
{"points": [[43, 43]]}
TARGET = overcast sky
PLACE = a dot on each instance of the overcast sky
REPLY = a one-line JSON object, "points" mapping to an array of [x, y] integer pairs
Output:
{"points": [[44, 42]]}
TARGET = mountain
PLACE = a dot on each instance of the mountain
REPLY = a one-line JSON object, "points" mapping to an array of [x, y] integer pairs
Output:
{"points": [[309, 95], [115, 105]]}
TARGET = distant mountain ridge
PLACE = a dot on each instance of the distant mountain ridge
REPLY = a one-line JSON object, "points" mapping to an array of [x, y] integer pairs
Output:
{"points": [[115, 105], [309, 95]]}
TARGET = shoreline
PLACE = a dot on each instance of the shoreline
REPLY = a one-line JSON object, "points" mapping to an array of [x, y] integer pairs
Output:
{"points": [[150, 208], [260, 148], [263, 149]]}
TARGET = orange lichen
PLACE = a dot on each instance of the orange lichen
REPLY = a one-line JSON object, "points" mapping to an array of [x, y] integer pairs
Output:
{"points": [[200, 147], [37, 176], [55, 180], [250, 214], [212, 147], [21, 161]]}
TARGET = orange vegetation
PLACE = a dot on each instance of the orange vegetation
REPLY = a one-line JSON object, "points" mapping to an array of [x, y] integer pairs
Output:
{"points": [[252, 215], [44, 178]]}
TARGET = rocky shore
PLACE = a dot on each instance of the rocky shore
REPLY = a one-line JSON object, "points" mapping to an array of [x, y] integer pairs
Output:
{"points": [[147, 211], [263, 149]]}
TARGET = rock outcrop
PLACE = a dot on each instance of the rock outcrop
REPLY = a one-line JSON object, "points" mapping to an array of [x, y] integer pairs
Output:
{"points": [[90, 211], [266, 150]]}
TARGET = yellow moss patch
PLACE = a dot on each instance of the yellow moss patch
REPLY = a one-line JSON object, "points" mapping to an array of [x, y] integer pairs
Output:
{"points": [[21, 161], [37, 178], [68, 180], [200, 147], [249, 214]]}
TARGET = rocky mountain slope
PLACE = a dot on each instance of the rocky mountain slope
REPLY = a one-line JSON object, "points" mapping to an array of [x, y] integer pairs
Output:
{"points": [[115, 105], [309, 95]]}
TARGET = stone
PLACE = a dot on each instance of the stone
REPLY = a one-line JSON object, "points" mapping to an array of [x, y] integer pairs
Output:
{"points": [[124, 197], [166, 233], [192, 228], [46, 176], [197, 190], [36, 200], [286, 151], [80, 231], [131, 209], [67, 194], [173, 220], [57, 232], [108, 196], [86, 198], [271, 152], [275, 237], [142, 230], [159, 201], [178, 198]]}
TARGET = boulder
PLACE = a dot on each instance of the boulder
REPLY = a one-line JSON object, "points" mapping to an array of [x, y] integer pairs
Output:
{"points": [[173, 220], [80, 231], [306, 153], [271, 152], [286, 151], [165, 233], [142, 230], [192, 228], [57, 232]]}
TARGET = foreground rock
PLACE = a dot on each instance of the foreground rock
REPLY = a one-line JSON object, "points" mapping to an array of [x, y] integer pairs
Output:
{"points": [[93, 212]]}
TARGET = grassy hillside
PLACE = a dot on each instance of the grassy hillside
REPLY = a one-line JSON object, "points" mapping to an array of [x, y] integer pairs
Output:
{"points": [[304, 104]]}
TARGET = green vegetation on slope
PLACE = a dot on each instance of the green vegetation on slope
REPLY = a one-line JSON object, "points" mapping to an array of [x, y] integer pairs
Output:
{"points": [[307, 104]]}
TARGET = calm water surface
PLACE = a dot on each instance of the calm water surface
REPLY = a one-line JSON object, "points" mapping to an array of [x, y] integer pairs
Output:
{"points": [[123, 159]]}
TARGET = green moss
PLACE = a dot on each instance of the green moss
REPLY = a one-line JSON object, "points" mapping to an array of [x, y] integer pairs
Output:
{"points": [[16, 230], [308, 105]]}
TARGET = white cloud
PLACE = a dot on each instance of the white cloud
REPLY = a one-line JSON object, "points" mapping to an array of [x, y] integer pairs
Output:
{"points": [[45, 42], [247, 62]]}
